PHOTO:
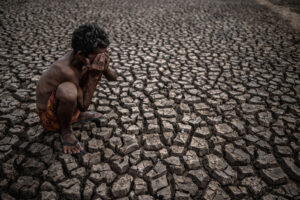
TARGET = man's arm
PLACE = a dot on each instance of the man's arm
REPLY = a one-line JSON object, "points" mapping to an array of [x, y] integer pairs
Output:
{"points": [[91, 84], [89, 88], [91, 74], [110, 74], [99, 67]]}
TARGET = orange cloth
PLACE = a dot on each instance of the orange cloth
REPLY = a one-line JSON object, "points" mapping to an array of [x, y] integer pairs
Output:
{"points": [[48, 117]]}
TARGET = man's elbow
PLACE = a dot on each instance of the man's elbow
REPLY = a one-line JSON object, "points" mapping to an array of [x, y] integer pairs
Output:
{"points": [[113, 77]]}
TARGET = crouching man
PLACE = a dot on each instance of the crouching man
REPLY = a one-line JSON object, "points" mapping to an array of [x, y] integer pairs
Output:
{"points": [[65, 90]]}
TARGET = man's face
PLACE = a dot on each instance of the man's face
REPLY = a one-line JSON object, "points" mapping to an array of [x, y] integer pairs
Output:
{"points": [[93, 55]]}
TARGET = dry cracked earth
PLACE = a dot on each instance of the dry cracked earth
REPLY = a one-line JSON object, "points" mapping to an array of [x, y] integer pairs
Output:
{"points": [[206, 105]]}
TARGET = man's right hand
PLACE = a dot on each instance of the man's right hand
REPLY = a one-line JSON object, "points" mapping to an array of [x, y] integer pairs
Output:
{"points": [[99, 63]]}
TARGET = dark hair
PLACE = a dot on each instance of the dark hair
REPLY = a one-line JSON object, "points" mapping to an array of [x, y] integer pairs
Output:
{"points": [[88, 38]]}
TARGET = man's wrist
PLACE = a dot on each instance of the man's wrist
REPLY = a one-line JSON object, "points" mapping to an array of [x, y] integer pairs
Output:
{"points": [[81, 108], [95, 73]]}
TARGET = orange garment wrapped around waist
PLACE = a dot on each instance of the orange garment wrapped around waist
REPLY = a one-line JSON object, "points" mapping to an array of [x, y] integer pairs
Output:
{"points": [[48, 117]]}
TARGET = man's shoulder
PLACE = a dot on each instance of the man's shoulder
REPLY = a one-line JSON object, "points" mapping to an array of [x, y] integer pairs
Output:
{"points": [[62, 68]]}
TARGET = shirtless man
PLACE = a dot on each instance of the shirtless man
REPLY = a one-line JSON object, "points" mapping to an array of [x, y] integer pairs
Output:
{"points": [[65, 90]]}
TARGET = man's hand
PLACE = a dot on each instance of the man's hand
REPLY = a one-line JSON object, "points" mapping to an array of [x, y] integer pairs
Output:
{"points": [[95, 70], [107, 59], [100, 63]]}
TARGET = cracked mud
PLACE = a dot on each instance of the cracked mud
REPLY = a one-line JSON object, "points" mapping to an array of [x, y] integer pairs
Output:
{"points": [[206, 105]]}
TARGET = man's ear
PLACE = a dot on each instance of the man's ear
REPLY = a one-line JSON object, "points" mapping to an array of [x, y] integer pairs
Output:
{"points": [[80, 56], [79, 53]]}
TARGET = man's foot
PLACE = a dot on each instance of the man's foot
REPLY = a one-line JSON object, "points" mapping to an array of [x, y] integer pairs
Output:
{"points": [[88, 116], [71, 144]]}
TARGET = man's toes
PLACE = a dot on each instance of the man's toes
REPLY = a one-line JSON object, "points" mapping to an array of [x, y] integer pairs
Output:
{"points": [[79, 147], [65, 149], [70, 150], [76, 150], [98, 115]]}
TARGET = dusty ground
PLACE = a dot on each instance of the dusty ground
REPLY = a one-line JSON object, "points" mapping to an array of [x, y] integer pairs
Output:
{"points": [[206, 106], [294, 5]]}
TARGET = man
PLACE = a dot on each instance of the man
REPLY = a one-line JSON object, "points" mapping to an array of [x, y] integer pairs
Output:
{"points": [[65, 90]]}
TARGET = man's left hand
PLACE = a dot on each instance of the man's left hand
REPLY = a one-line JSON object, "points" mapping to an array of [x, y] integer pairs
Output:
{"points": [[100, 63]]}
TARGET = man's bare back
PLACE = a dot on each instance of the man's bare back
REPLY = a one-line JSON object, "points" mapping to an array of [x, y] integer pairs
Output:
{"points": [[65, 90]]}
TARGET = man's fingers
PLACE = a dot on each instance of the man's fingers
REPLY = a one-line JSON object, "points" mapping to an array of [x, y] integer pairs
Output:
{"points": [[84, 69], [87, 61], [100, 63], [107, 60], [96, 60], [101, 60]]}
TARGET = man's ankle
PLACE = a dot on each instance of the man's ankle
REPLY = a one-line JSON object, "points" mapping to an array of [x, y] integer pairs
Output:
{"points": [[65, 132]]}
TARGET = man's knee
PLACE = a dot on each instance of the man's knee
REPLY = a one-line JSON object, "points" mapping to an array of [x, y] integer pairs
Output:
{"points": [[66, 92]]}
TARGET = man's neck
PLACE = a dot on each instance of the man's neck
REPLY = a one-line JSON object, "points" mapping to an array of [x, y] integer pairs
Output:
{"points": [[75, 62]]}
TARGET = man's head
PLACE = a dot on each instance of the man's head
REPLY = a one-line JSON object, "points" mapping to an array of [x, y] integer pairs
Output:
{"points": [[88, 40]]}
